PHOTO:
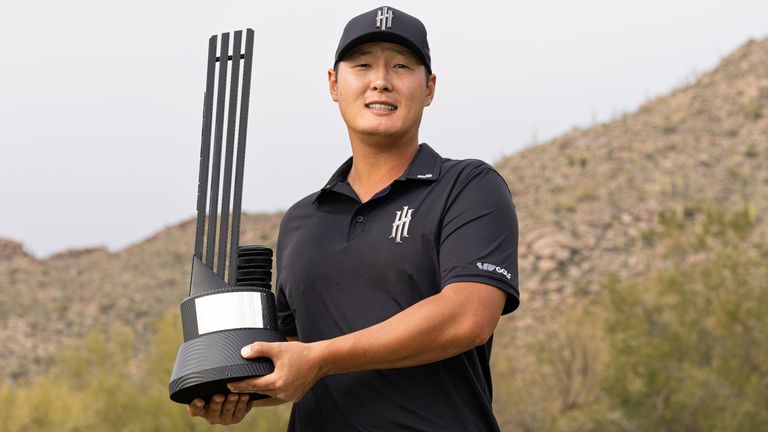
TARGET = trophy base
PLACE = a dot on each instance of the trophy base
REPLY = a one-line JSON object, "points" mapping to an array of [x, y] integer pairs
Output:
{"points": [[206, 364]]}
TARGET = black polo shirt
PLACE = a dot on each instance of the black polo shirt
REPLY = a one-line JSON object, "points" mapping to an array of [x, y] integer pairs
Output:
{"points": [[343, 266]]}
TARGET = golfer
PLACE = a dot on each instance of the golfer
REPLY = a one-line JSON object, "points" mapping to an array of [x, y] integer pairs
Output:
{"points": [[392, 277]]}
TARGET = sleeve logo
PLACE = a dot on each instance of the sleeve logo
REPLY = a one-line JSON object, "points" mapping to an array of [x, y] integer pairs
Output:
{"points": [[492, 267]]}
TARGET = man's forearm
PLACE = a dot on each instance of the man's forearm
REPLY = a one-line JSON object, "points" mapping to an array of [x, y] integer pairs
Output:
{"points": [[461, 317]]}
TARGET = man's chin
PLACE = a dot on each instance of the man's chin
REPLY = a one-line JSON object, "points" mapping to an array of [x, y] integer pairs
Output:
{"points": [[384, 130], [383, 137], [384, 133]]}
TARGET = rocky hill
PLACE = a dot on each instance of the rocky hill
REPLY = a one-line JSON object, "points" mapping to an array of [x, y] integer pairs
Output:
{"points": [[47, 303], [590, 202]]}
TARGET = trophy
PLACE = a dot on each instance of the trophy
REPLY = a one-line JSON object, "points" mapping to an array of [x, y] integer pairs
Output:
{"points": [[230, 302]]}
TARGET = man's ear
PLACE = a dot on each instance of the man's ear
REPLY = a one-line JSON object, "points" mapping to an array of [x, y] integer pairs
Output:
{"points": [[333, 85], [431, 82]]}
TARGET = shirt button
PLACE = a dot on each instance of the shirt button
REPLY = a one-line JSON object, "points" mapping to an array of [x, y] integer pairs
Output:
{"points": [[359, 219]]}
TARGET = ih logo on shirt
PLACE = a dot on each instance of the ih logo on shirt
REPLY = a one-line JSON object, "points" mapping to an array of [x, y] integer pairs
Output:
{"points": [[400, 226]]}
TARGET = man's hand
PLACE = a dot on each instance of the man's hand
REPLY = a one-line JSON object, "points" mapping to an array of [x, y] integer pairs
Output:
{"points": [[230, 410], [222, 410], [297, 369]]}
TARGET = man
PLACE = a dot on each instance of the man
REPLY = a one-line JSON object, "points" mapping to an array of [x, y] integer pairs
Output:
{"points": [[391, 279]]}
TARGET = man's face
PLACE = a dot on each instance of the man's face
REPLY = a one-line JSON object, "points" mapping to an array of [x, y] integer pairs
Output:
{"points": [[381, 89]]}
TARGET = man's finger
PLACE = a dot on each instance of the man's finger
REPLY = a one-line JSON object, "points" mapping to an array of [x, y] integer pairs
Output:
{"points": [[242, 406], [257, 349], [214, 408], [196, 408], [254, 385], [229, 407]]}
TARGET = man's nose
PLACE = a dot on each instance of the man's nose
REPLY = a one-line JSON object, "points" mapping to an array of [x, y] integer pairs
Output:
{"points": [[381, 82]]}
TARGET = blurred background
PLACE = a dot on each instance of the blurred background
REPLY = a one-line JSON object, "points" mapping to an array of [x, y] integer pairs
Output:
{"points": [[633, 137]]}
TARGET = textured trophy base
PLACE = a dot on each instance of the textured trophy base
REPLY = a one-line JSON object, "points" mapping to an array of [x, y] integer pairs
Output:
{"points": [[206, 364]]}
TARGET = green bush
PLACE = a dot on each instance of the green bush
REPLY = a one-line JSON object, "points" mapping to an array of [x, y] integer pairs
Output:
{"points": [[683, 349], [689, 347]]}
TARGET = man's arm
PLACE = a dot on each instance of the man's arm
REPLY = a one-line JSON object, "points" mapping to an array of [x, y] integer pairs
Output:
{"points": [[463, 315]]}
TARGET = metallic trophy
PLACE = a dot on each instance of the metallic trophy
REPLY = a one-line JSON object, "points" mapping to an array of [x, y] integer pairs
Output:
{"points": [[230, 301]]}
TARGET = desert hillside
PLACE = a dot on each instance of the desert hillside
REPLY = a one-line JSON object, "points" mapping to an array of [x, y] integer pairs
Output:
{"points": [[590, 201]]}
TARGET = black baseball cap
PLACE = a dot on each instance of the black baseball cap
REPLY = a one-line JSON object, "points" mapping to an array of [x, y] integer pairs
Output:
{"points": [[386, 24]]}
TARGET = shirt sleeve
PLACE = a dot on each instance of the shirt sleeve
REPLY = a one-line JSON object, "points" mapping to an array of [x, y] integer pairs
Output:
{"points": [[479, 237]]}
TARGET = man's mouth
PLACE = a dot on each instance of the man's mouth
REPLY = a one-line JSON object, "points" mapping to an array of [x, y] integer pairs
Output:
{"points": [[381, 106]]}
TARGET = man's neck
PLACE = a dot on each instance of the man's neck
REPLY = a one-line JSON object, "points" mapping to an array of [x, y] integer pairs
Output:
{"points": [[376, 165]]}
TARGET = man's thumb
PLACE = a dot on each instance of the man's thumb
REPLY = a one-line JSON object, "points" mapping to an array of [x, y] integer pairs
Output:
{"points": [[253, 350]]}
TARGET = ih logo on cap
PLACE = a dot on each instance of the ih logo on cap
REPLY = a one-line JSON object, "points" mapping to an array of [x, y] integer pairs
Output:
{"points": [[384, 18]]}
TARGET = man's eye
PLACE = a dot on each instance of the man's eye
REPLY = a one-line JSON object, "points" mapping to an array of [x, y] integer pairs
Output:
{"points": [[363, 65], [401, 66]]}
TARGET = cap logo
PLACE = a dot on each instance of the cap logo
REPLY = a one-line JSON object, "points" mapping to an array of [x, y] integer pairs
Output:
{"points": [[384, 18]]}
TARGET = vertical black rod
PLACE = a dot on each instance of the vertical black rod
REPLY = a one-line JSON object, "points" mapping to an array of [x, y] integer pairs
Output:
{"points": [[226, 190], [221, 92], [240, 161], [205, 147]]}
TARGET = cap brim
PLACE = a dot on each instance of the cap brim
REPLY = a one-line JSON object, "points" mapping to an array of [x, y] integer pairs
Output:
{"points": [[383, 36]]}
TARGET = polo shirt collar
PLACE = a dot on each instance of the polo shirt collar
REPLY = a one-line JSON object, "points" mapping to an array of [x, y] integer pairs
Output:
{"points": [[425, 166]]}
